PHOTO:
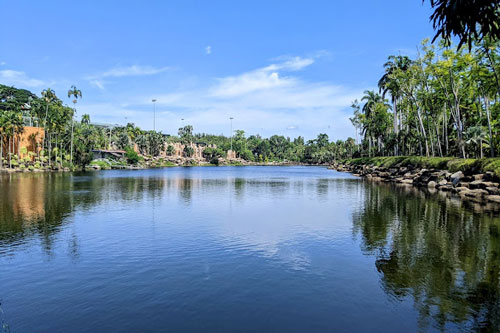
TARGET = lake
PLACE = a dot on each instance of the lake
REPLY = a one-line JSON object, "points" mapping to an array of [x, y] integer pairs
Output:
{"points": [[241, 249]]}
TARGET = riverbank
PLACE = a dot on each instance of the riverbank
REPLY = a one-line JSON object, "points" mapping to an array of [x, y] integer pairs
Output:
{"points": [[471, 179], [109, 164]]}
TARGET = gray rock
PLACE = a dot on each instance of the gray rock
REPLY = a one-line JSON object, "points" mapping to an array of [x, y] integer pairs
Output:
{"points": [[443, 182], [456, 177], [493, 190], [493, 198], [431, 184], [476, 193]]}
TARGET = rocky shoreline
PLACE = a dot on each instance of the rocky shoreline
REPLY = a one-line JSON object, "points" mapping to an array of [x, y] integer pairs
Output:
{"points": [[477, 187], [183, 162]]}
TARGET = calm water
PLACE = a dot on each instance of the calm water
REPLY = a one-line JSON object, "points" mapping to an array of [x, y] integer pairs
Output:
{"points": [[241, 249]]}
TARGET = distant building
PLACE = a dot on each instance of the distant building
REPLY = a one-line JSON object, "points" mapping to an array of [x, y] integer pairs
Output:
{"points": [[114, 154]]}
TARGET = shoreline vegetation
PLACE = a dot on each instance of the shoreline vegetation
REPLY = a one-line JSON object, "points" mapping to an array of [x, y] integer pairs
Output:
{"points": [[477, 180], [42, 134]]}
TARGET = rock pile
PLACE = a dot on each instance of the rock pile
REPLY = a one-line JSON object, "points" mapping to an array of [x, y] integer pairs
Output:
{"points": [[483, 187]]}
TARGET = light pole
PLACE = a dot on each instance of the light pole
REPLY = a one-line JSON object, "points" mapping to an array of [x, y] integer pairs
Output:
{"points": [[231, 118], [154, 114]]}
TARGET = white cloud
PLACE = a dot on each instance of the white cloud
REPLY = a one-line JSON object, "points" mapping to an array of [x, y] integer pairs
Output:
{"points": [[273, 99], [19, 79], [292, 64], [98, 83], [208, 49], [261, 79], [134, 70], [3, 63]]}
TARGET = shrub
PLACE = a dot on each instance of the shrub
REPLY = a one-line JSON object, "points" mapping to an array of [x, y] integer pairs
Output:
{"points": [[170, 150], [103, 164], [131, 155], [188, 151], [214, 160]]}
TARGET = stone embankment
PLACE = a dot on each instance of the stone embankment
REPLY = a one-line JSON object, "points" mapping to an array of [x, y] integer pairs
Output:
{"points": [[480, 187]]}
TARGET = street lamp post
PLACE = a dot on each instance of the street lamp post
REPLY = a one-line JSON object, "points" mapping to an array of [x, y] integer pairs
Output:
{"points": [[154, 114], [231, 118]]}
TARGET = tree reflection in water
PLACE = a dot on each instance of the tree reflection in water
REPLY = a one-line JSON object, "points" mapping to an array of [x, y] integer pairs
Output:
{"points": [[436, 250]]}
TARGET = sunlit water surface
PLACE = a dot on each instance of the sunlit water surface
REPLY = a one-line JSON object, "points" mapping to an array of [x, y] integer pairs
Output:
{"points": [[241, 249]]}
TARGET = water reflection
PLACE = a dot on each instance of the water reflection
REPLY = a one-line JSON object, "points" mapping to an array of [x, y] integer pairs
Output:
{"points": [[431, 249], [445, 257]]}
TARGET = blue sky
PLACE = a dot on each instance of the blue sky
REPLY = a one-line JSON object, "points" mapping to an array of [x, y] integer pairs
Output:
{"points": [[277, 67]]}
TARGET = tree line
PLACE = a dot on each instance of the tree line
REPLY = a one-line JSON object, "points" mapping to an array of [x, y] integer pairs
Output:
{"points": [[443, 102], [69, 143]]}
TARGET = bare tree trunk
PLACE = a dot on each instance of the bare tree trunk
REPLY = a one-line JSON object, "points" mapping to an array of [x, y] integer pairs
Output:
{"points": [[396, 130], [71, 149], [440, 149], [445, 133], [488, 116], [10, 154], [422, 129], [1, 150], [50, 147]]}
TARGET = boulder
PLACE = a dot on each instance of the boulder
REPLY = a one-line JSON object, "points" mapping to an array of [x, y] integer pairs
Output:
{"points": [[479, 176], [431, 184], [456, 177], [459, 189], [446, 188], [443, 182], [478, 193], [493, 198], [482, 184], [493, 190]]}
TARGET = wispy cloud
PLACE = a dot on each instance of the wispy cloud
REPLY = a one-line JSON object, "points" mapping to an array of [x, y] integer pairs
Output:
{"points": [[261, 79], [134, 70], [19, 79], [3, 63], [98, 83], [98, 80], [273, 99], [208, 49]]}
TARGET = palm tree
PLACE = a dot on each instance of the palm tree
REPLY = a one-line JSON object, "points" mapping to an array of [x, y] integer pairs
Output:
{"points": [[48, 96], [3, 123], [13, 125], [372, 101], [76, 93], [476, 135], [388, 83], [85, 119]]}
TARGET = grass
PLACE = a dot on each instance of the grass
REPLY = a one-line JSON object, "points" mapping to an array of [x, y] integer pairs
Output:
{"points": [[451, 164], [104, 165]]}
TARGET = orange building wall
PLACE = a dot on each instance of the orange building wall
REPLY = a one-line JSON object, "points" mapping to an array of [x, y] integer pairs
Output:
{"points": [[24, 140]]}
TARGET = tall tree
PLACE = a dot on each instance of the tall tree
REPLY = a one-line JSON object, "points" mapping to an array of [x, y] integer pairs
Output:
{"points": [[75, 93]]}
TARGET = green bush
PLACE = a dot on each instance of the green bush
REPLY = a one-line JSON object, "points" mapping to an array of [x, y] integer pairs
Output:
{"points": [[451, 164], [214, 160], [188, 151], [131, 155], [102, 164]]}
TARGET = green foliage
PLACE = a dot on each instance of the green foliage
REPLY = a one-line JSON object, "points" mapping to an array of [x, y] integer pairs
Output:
{"points": [[170, 150], [188, 151], [451, 164], [103, 164], [131, 155]]}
